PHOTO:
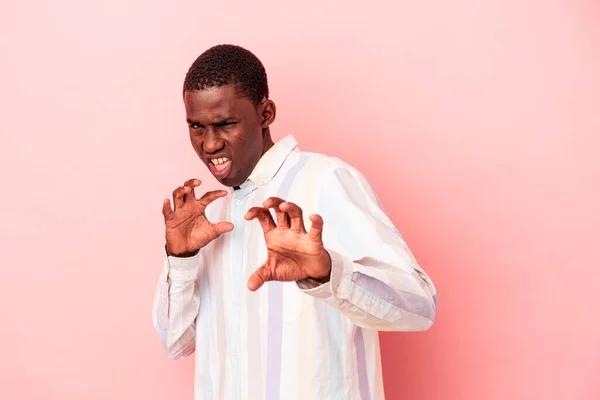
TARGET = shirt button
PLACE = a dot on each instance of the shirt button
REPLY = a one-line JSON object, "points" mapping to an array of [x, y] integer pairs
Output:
{"points": [[338, 290], [240, 202]]}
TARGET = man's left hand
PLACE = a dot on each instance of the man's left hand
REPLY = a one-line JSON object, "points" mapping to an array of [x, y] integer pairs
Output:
{"points": [[292, 253]]}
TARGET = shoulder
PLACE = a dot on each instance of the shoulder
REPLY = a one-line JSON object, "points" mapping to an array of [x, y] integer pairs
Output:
{"points": [[311, 178], [317, 166]]}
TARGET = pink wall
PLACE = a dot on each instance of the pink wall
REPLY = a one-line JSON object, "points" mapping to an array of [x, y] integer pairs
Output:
{"points": [[477, 123]]}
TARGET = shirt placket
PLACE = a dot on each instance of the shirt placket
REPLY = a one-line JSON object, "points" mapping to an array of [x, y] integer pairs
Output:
{"points": [[237, 284]]}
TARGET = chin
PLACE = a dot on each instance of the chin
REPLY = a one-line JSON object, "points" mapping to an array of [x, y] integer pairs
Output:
{"points": [[229, 181]]}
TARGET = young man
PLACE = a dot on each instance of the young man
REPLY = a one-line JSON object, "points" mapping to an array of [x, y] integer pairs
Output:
{"points": [[280, 283]]}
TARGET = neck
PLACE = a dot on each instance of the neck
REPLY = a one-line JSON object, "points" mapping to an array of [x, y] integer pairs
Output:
{"points": [[267, 140]]}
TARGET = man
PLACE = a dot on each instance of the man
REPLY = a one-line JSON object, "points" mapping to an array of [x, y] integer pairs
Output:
{"points": [[280, 283]]}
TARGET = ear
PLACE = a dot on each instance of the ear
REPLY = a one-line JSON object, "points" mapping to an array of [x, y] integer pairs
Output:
{"points": [[267, 113]]}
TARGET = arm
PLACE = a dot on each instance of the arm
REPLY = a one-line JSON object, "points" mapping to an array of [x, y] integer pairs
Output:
{"points": [[176, 305], [374, 280], [177, 298]]}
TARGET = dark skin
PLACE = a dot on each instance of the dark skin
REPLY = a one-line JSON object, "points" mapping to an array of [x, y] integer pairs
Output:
{"points": [[223, 124]]}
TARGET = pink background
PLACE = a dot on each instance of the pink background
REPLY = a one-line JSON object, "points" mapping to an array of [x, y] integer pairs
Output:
{"points": [[477, 122]]}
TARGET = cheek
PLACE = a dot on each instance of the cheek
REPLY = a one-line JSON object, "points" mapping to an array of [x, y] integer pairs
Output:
{"points": [[250, 135], [196, 142]]}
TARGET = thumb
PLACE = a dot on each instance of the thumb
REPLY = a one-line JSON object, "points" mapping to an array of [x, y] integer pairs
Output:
{"points": [[258, 278], [223, 227]]}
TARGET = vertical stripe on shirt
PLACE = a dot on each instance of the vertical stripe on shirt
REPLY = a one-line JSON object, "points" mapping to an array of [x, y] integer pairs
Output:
{"points": [[254, 361], [220, 259], [275, 341], [237, 273], [336, 364], [276, 306], [204, 332], [361, 364]]}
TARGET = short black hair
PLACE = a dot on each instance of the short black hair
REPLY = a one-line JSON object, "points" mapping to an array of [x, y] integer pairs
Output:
{"points": [[226, 64]]}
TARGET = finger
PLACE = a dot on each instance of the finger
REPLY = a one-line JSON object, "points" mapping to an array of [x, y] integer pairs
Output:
{"points": [[178, 197], [258, 278], [166, 209], [211, 196], [264, 217], [283, 220], [295, 213], [189, 194], [316, 228], [223, 227]]}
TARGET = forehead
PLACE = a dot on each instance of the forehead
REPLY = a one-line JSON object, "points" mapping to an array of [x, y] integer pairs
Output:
{"points": [[217, 102]]}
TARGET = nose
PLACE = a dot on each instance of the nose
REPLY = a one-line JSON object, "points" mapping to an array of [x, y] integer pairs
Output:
{"points": [[212, 142]]}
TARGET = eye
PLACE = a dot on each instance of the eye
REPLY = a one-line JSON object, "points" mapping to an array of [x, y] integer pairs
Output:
{"points": [[226, 125], [195, 126]]}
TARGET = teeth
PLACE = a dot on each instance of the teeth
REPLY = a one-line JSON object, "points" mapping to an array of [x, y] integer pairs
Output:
{"points": [[221, 160]]}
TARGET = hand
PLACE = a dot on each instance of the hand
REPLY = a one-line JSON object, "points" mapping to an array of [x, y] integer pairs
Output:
{"points": [[292, 254], [187, 229]]}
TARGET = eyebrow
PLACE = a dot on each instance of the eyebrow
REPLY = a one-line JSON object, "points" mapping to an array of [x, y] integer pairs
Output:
{"points": [[220, 122]]}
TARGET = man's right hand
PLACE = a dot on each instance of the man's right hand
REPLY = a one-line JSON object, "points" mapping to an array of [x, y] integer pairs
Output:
{"points": [[187, 229]]}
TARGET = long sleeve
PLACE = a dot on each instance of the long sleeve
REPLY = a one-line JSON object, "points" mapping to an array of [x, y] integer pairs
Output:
{"points": [[375, 280], [176, 304]]}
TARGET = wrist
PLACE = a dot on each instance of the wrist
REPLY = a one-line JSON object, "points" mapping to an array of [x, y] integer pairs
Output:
{"points": [[326, 275], [183, 254]]}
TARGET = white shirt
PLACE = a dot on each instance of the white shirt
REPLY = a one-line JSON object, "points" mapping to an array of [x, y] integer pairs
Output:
{"points": [[294, 340]]}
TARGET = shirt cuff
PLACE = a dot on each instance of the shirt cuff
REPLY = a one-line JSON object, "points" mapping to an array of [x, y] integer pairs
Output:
{"points": [[343, 288], [182, 269], [340, 283]]}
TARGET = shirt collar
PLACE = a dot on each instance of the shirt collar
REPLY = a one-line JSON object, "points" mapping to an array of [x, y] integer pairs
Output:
{"points": [[271, 162]]}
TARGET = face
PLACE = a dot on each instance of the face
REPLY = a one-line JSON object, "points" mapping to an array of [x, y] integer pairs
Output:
{"points": [[229, 133]]}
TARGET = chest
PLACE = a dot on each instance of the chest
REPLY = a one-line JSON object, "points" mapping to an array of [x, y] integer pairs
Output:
{"points": [[233, 257]]}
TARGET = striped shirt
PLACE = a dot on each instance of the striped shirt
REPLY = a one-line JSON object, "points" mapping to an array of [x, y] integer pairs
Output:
{"points": [[293, 340]]}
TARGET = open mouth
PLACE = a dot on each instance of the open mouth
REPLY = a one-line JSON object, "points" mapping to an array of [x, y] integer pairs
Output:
{"points": [[220, 167]]}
